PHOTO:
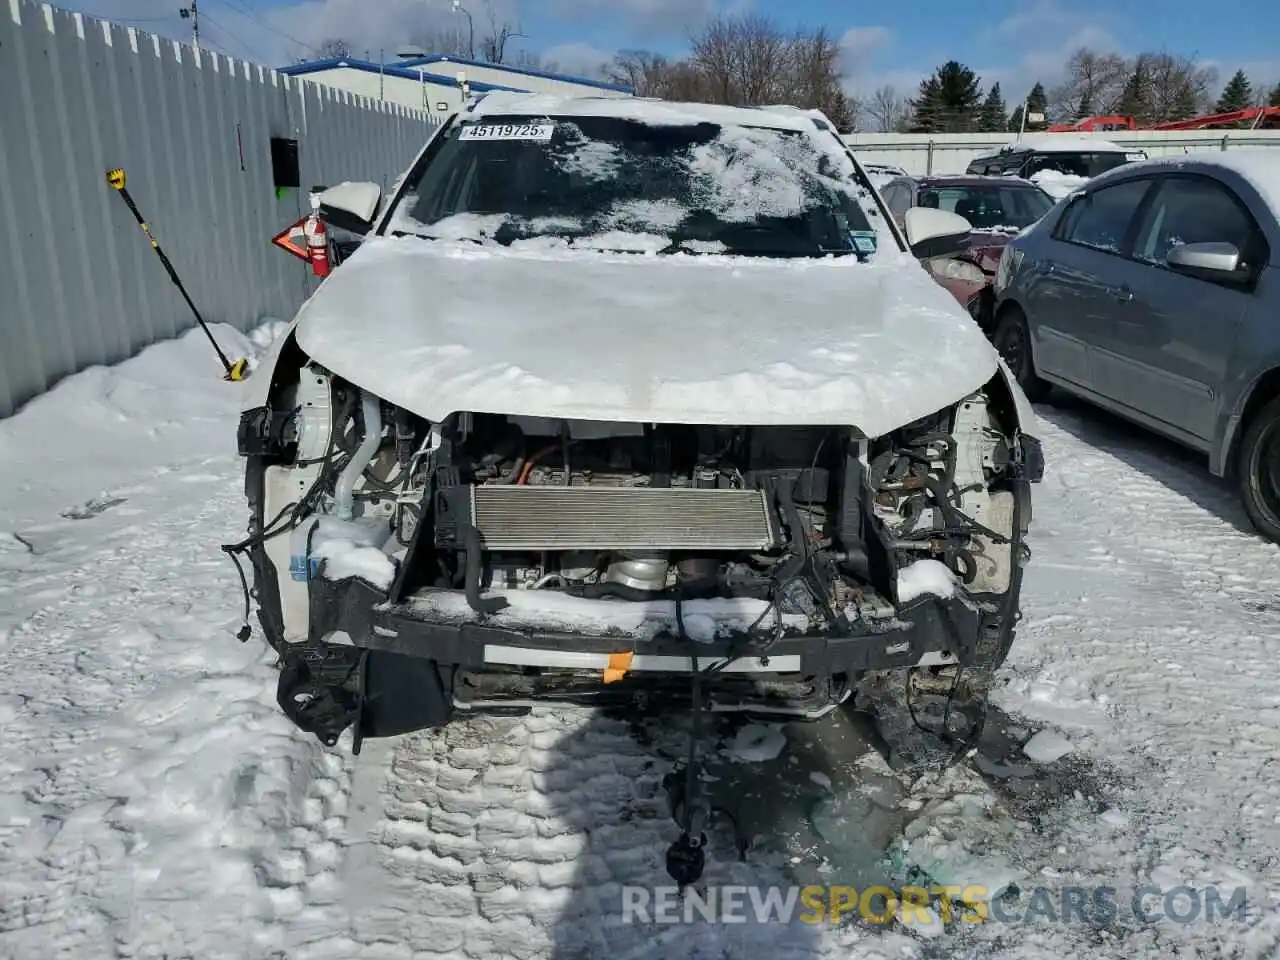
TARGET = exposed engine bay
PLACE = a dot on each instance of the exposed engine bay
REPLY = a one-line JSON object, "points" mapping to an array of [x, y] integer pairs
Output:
{"points": [[816, 520], [368, 520]]}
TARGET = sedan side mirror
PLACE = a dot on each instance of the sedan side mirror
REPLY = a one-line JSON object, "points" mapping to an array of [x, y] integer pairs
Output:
{"points": [[1211, 261], [936, 233], [351, 206]]}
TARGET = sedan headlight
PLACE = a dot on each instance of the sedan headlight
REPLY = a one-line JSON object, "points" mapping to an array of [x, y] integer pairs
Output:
{"points": [[956, 270]]}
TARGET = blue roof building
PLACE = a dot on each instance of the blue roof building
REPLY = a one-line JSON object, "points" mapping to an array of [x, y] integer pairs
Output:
{"points": [[439, 83]]}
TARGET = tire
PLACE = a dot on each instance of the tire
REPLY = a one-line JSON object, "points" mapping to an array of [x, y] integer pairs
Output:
{"points": [[1012, 340], [1258, 470]]}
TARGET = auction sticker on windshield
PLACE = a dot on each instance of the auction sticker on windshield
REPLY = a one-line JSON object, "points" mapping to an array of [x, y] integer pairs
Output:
{"points": [[508, 131]]}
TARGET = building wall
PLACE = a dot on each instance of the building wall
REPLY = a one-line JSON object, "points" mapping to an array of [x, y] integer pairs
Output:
{"points": [[924, 153], [78, 96], [399, 90]]}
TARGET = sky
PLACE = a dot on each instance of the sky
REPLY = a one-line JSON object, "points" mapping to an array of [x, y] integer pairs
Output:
{"points": [[1014, 42]]}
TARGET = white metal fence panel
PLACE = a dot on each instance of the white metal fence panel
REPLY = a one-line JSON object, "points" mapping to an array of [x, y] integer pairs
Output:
{"points": [[80, 285], [943, 153]]}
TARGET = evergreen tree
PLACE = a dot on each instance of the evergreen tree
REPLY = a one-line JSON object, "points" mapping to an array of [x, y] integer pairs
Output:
{"points": [[950, 101], [994, 116], [1084, 108], [1038, 102], [1236, 95], [1274, 99], [1135, 101]]}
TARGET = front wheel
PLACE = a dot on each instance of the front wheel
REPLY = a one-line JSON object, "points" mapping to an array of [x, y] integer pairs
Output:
{"points": [[1259, 470], [1012, 340]]}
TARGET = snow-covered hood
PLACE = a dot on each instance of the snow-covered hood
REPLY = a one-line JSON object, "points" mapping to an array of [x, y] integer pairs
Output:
{"points": [[437, 327]]}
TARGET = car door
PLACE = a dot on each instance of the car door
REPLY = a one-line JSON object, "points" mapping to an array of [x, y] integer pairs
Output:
{"points": [[1081, 276], [1164, 345]]}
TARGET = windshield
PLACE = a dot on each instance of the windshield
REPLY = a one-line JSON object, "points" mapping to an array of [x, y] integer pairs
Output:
{"points": [[621, 184], [1077, 164], [997, 207]]}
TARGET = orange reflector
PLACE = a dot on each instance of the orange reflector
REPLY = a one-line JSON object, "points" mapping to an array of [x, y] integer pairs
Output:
{"points": [[619, 664], [292, 240]]}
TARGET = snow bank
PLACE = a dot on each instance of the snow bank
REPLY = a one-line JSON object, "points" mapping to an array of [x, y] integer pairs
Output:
{"points": [[155, 801], [1057, 184], [439, 327], [106, 427]]}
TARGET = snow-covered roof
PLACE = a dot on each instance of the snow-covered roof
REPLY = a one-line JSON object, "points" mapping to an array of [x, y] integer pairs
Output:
{"points": [[1061, 143], [407, 69], [385, 69], [515, 71], [649, 110]]}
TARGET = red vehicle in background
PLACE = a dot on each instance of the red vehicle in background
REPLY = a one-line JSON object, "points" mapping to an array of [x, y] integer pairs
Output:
{"points": [[997, 207]]}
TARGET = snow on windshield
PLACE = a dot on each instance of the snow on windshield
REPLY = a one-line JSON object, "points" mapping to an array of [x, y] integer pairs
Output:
{"points": [[695, 187]]}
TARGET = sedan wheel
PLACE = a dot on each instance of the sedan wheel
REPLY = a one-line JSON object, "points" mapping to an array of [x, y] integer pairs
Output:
{"points": [[1259, 470], [1012, 341]]}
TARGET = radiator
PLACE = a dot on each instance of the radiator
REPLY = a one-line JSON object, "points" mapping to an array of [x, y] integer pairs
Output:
{"points": [[523, 517]]}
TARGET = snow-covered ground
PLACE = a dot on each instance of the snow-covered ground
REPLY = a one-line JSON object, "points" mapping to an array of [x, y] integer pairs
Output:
{"points": [[156, 803]]}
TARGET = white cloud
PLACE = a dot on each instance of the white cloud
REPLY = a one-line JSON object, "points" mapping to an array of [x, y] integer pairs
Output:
{"points": [[579, 59], [860, 45], [1045, 65], [1032, 18], [645, 19]]}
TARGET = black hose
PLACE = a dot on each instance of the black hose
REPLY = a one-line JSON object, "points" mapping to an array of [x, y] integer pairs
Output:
{"points": [[481, 605]]}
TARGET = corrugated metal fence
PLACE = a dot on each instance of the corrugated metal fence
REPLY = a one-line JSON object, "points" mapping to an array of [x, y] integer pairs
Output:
{"points": [[79, 285], [942, 153]]}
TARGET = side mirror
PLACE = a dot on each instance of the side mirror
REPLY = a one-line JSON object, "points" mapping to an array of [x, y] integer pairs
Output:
{"points": [[935, 233], [351, 206], [1212, 261]]}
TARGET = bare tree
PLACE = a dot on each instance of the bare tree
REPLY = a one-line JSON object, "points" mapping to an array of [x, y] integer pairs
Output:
{"points": [[815, 78], [1094, 85], [888, 111], [446, 40], [533, 61], [334, 48], [493, 44], [1179, 87], [746, 59], [641, 70]]}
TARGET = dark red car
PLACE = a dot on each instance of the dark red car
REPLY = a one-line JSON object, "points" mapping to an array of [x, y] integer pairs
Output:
{"points": [[997, 207]]}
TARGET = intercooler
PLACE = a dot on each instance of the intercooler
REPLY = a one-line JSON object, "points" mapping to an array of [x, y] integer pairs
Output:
{"points": [[525, 517]]}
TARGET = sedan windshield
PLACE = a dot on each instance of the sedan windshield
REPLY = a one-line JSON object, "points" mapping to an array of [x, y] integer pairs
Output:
{"points": [[621, 184], [998, 207]]}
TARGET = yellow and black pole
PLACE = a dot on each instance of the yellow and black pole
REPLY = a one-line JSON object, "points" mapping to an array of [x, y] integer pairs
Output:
{"points": [[234, 371]]}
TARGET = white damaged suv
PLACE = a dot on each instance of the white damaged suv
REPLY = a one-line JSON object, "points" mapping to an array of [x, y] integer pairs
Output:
{"points": [[630, 401]]}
